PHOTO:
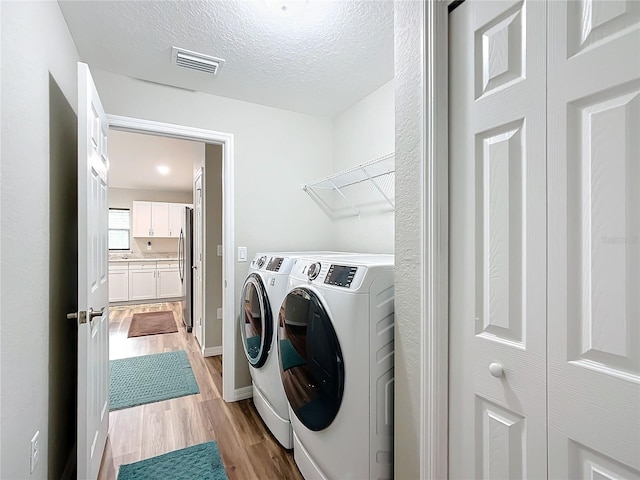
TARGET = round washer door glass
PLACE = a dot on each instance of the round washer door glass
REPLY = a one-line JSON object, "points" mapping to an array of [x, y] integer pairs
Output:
{"points": [[311, 362], [256, 322]]}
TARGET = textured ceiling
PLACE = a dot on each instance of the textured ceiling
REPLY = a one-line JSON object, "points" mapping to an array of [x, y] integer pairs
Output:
{"points": [[319, 60], [133, 159]]}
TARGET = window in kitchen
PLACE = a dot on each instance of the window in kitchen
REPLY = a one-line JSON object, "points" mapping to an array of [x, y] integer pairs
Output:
{"points": [[119, 228]]}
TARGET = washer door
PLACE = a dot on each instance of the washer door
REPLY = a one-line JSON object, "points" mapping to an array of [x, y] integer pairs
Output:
{"points": [[311, 362], [256, 322]]}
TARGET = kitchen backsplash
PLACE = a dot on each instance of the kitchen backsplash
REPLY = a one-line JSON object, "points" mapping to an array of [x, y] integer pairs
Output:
{"points": [[158, 245]]}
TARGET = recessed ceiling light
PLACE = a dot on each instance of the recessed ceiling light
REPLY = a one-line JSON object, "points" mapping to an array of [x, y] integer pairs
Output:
{"points": [[287, 7], [163, 169]]}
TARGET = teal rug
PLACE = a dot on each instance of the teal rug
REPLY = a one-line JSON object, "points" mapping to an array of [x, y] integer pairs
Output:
{"points": [[150, 378], [200, 462]]}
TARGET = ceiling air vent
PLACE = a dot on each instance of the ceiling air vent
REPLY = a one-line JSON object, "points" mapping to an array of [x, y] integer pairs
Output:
{"points": [[196, 61]]}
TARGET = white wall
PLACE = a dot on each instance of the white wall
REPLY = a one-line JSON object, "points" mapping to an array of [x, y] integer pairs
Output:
{"points": [[276, 151], [124, 198], [36, 45], [410, 111], [361, 133]]}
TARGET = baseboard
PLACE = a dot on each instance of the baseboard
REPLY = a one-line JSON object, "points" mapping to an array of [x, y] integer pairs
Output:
{"points": [[69, 472], [212, 351], [243, 393]]}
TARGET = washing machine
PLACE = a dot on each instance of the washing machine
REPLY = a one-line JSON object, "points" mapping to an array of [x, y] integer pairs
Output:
{"points": [[335, 334], [262, 293]]}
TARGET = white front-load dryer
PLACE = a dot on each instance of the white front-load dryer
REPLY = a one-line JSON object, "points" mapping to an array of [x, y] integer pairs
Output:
{"points": [[335, 333], [264, 289]]}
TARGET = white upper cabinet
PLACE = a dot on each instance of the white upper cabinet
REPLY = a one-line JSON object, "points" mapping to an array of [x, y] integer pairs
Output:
{"points": [[159, 219], [142, 219], [151, 219], [176, 218]]}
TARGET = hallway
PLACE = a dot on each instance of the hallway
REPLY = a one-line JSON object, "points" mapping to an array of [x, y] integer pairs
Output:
{"points": [[247, 448]]}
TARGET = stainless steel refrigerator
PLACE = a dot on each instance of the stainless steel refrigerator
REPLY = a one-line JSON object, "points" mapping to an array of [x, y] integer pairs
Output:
{"points": [[185, 263]]}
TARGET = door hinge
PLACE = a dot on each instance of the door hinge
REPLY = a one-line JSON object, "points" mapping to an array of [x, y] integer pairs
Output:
{"points": [[81, 316]]}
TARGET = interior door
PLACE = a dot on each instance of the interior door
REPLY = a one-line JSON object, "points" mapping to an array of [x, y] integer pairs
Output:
{"points": [[198, 301], [93, 291], [594, 239], [497, 369]]}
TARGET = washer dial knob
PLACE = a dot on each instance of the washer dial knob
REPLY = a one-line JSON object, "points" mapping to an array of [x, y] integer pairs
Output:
{"points": [[314, 270], [261, 261]]}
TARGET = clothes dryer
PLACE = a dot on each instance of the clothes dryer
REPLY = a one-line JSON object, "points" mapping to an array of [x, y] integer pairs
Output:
{"points": [[264, 289], [335, 333]]}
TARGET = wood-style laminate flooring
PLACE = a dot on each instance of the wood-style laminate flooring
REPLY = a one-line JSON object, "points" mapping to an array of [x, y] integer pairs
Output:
{"points": [[248, 449]]}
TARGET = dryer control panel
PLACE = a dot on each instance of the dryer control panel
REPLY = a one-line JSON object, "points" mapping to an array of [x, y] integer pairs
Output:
{"points": [[340, 275]]}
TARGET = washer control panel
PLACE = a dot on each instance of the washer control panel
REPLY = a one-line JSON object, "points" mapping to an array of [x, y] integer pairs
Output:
{"points": [[274, 264], [314, 270], [261, 261], [340, 275]]}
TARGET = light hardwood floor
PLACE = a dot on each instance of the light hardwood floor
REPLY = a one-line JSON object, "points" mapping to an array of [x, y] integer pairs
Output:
{"points": [[247, 448]]}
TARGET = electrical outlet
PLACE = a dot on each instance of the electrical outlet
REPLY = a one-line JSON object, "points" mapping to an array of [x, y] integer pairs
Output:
{"points": [[148, 245], [35, 451], [219, 250], [219, 314]]}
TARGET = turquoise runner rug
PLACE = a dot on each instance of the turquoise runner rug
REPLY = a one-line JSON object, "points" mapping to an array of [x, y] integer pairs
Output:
{"points": [[150, 378], [200, 462]]}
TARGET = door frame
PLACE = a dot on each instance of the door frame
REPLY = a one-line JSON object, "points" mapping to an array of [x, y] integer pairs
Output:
{"points": [[200, 175], [429, 141], [226, 140]]}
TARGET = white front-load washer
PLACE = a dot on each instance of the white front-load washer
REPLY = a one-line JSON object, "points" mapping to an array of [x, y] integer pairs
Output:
{"points": [[264, 289], [335, 332]]}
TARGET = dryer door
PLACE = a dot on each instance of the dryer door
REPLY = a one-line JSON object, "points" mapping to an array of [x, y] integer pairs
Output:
{"points": [[256, 322], [311, 362]]}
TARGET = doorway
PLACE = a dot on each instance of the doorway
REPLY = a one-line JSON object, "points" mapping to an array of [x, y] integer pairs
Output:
{"points": [[228, 268]]}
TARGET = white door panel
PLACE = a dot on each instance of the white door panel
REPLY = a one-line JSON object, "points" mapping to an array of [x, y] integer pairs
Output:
{"points": [[93, 290], [498, 236], [594, 239]]}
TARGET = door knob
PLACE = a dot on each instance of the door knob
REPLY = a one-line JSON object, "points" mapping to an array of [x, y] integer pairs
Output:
{"points": [[95, 313], [496, 370]]}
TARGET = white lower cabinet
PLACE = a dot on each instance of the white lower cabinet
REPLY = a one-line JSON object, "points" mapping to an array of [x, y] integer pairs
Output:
{"points": [[138, 281], [168, 283], [142, 282], [118, 283]]}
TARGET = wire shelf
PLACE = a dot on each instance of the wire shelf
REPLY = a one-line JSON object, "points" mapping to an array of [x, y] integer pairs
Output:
{"points": [[362, 186]]}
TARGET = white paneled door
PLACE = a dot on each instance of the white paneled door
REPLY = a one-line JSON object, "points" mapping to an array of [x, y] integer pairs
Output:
{"points": [[498, 241], [594, 239], [545, 240], [93, 290]]}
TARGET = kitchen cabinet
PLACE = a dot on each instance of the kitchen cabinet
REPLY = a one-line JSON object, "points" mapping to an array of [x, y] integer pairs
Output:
{"points": [[168, 284], [118, 282], [142, 280], [150, 219], [176, 218]]}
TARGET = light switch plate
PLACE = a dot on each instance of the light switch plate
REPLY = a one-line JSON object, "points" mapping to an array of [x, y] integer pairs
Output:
{"points": [[219, 314], [219, 250], [242, 254]]}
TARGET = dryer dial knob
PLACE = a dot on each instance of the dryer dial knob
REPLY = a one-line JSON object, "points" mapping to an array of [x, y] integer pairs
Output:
{"points": [[314, 270], [261, 261]]}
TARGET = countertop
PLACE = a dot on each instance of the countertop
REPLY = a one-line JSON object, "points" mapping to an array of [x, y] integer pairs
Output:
{"points": [[141, 257]]}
